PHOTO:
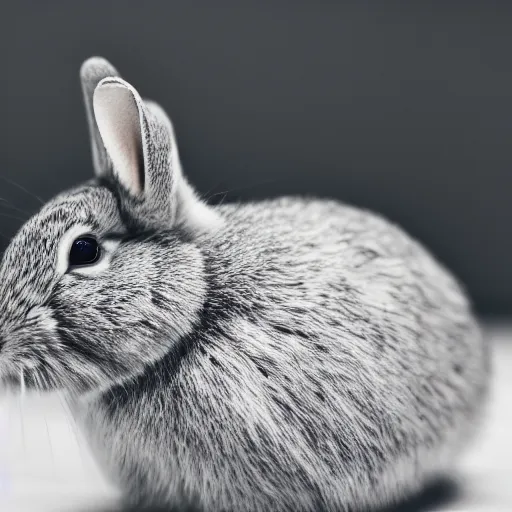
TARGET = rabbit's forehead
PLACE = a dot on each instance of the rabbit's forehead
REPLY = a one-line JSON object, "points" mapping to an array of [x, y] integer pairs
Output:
{"points": [[94, 207]]}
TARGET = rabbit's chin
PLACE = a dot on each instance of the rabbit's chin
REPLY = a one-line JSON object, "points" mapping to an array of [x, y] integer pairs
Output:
{"points": [[17, 382], [73, 390], [19, 378]]}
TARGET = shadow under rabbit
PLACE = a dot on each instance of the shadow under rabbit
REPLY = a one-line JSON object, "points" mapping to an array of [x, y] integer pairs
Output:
{"points": [[440, 493]]}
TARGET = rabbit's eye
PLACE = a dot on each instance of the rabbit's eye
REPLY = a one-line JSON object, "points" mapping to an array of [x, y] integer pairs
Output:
{"points": [[84, 251]]}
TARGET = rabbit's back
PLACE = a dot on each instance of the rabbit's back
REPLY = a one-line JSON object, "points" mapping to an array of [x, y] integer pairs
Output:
{"points": [[336, 363]]}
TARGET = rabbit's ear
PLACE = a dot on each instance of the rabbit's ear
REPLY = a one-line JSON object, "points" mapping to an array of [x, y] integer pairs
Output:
{"points": [[94, 70], [140, 143], [123, 124]]}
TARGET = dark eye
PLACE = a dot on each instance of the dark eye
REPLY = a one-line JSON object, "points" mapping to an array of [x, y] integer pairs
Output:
{"points": [[84, 251]]}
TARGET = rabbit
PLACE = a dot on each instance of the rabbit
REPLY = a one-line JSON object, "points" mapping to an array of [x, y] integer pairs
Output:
{"points": [[294, 354]]}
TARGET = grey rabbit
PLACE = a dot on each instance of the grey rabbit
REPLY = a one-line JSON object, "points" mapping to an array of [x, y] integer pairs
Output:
{"points": [[285, 355]]}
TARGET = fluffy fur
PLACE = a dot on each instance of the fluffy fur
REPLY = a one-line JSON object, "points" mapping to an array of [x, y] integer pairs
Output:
{"points": [[288, 355]]}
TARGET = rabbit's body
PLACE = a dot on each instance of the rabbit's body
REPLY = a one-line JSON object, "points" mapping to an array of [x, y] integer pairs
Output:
{"points": [[288, 355], [330, 367]]}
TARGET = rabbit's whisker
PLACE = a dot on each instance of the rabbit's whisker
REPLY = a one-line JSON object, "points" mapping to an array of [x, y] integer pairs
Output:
{"points": [[9, 216], [22, 188], [9, 204]]}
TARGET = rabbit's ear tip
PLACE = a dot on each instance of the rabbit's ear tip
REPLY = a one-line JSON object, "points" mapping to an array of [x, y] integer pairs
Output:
{"points": [[95, 66], [113, 83]]}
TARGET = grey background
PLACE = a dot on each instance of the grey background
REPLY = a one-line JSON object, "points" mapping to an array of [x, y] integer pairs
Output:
{"points": [[405, 108]]}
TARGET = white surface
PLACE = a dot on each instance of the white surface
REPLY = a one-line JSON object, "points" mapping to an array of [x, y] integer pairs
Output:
{"points": [[45, 465]]}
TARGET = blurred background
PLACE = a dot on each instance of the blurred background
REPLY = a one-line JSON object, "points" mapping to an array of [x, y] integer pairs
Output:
{"points": [[404, 108]]}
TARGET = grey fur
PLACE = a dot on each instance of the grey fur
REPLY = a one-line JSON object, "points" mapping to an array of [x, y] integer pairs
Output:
{"points": [[288, 355]]}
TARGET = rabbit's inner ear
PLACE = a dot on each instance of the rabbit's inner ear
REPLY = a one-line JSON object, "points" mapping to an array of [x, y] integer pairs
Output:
{"points": [[94, 70], [119, 124]]}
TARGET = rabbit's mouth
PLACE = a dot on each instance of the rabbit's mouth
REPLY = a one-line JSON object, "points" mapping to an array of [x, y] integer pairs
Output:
{"points": [[23, 371], [15, 385], [10, 383], [13, 382]]}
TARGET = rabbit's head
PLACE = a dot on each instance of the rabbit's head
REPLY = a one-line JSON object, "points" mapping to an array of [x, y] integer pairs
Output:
{"points": [[104, 280]]}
